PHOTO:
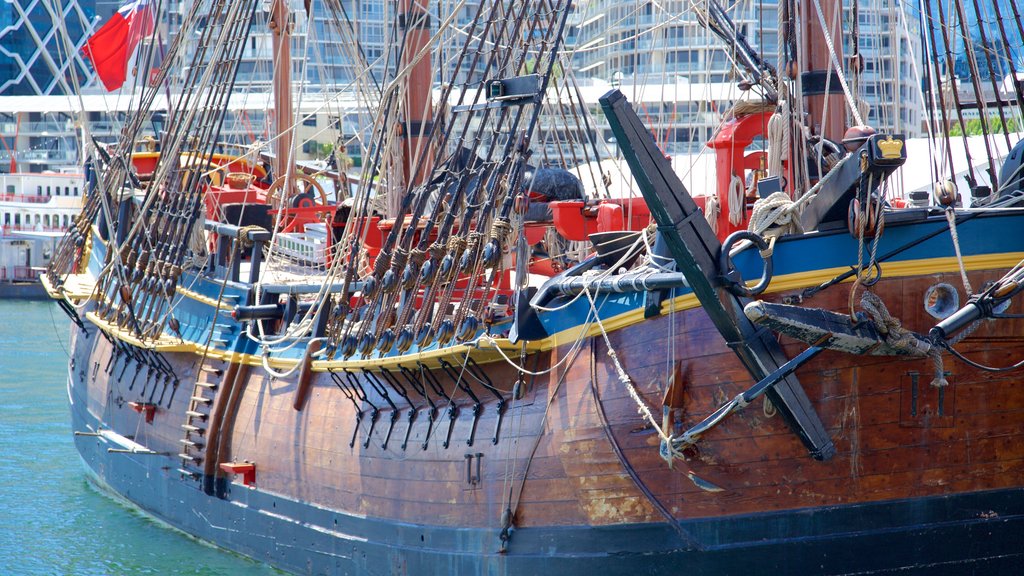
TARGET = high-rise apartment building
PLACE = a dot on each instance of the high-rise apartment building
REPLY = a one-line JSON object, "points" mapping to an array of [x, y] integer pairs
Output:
{"points": [[658, 45], [663, 44]]}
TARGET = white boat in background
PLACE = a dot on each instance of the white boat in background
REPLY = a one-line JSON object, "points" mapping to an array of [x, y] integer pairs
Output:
{"points": [[35, 211]]}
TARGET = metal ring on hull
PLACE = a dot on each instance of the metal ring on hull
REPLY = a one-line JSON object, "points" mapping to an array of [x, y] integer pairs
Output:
{"points": [[733, 280]]}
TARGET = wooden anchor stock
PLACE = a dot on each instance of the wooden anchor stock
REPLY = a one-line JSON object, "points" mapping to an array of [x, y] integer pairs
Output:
{"points": [[694, 434], [695, 248]]}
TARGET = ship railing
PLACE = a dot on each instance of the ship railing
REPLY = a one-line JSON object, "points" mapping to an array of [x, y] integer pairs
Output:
{"points": [[5, 228], [26, 273], [24, 198]]}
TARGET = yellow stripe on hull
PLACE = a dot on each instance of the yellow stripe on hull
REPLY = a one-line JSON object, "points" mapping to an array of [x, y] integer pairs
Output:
{"points": [[432, 358], [785, 283]]}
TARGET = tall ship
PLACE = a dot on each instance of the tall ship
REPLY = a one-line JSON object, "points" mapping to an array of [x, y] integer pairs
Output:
{"points": [[469, 357]]}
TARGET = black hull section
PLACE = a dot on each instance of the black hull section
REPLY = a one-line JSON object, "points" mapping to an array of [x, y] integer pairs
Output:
{"points": [[963, 534], [23, 291]]}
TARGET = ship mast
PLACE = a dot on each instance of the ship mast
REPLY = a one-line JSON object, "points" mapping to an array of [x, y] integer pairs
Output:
{"points": [[418, 121], [815, 56], [280, 27]]}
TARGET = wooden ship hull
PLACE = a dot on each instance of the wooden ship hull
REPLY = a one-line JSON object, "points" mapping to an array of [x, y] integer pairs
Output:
{"points": [[922, 477]]}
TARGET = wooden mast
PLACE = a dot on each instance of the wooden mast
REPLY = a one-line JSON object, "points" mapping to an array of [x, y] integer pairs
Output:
{"points": [[280, 26], [815, 57], [418, 121]]}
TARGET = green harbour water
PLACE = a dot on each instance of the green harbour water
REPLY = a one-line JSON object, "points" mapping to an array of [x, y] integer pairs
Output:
{"points": [[53, 521]]}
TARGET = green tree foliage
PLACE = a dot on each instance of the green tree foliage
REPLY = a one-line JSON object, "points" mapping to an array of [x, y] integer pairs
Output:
{"points": [[994, 125]]}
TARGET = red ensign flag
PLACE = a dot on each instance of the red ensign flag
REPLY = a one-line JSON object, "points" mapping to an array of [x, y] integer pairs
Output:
{"points": [[111, 46]]}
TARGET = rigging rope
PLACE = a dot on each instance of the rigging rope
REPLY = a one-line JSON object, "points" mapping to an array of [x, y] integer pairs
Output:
{"points": [[737, 200]]}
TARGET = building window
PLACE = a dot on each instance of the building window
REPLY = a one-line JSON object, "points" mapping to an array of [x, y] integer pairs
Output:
{"points": [[76, 190], [47, 190], [311, 121], [67, 191], [39, 190], [10, 188]]}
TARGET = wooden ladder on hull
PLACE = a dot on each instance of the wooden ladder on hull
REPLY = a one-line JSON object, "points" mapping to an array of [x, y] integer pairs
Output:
{"points": [[197, 421]]}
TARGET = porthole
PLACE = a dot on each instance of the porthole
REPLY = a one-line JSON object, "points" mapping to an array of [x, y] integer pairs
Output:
{"points": [[941, 300]]}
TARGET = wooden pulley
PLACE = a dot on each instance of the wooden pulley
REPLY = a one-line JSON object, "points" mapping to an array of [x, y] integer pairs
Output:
{"points": [[389, 282], [792, 69], [447, 266], [369, 288], [857, 63], [445, 331], [521, 203], [944, 193], [387, 338], [869, 216], [468, 328], [492, 253], [427, 271], [348, 346], [409, 276], [366, 344], [424, 336], [404, 339]]}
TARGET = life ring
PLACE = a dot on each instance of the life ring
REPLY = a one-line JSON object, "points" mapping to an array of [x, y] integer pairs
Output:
{"points": [[733, 281]]}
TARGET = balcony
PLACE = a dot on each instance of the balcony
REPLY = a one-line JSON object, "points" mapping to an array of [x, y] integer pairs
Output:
{"points": [[55, 128], [25, 199], [47, 157]]}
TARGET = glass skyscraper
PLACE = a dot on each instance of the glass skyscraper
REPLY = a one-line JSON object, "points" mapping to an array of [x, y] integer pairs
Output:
{"points": [[40, 43]]}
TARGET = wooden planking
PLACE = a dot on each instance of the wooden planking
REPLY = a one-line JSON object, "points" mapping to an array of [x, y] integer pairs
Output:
{"points": [[575, 476], [863, 414]]}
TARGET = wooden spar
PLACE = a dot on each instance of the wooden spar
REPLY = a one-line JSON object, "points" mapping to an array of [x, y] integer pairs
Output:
{"points": [[305, 379], [213, 430], [224, 441], [696, 249], [280, 26], [816, 65], [418, 120]]}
